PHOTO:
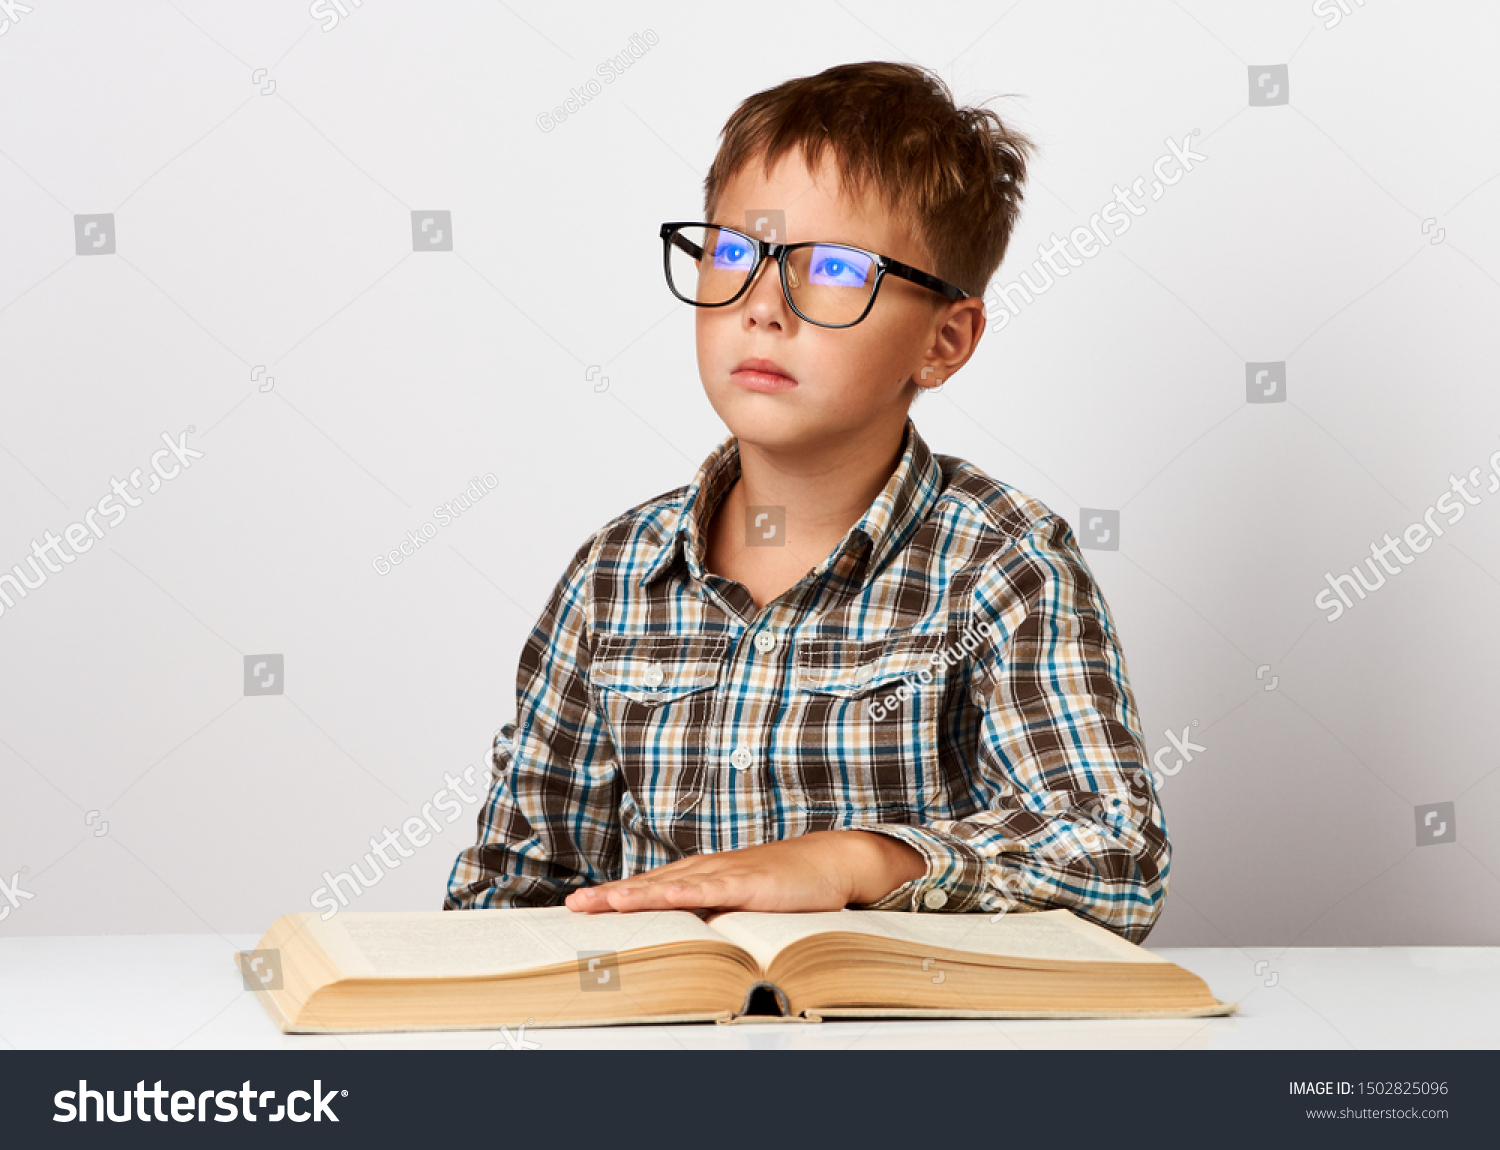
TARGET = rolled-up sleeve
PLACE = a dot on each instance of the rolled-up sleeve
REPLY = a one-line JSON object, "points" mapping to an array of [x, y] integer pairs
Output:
{"points": [[1072, 819], [550, 823]]}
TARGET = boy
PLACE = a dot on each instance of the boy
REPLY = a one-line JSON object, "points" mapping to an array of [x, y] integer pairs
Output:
{"points": [[836, 669]]}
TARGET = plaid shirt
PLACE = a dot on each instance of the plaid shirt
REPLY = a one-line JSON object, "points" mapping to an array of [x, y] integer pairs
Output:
{"points": [[948, 676]]}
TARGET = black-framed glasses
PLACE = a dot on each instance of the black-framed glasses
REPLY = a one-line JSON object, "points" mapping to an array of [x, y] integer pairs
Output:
{"points": [[830, 285]]}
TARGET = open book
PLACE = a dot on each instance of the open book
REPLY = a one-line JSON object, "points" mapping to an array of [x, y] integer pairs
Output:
{"points": [[551, 966]]}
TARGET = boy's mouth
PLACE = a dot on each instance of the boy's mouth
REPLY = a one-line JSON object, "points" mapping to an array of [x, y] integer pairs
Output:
{"points": [[759, 374]]}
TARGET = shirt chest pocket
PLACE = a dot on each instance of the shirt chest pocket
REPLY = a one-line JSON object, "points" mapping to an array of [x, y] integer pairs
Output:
{"points": [[869, 716], [657, 694]]}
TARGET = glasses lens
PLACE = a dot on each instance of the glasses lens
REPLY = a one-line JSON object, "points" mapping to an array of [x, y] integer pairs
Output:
{"points": [[709, 265], [830, 284]]}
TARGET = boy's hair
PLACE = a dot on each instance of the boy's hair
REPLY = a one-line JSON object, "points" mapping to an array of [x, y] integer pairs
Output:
{"points": [[954, 174]]}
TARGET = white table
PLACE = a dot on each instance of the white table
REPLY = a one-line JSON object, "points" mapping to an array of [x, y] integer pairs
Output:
{"points": [[182, 991]]}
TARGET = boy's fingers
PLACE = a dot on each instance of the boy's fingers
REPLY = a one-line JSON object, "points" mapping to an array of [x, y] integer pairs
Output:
{"points": [[699, 892], [648, 890], [713, 892], [644, 896], [666, 894], [586, 899], [680, 864], [707, 890]]}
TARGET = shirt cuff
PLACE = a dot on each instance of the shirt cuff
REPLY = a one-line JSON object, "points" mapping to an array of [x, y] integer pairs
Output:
{"points": [[954, 880]]}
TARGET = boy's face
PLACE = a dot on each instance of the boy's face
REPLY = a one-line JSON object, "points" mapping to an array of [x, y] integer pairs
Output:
{"points": [[850, 382]]}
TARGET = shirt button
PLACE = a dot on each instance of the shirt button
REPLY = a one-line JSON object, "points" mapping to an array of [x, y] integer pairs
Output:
{"points": [[864, 674], [654, 675], [765, 641], [935, 899], [741, 757]]}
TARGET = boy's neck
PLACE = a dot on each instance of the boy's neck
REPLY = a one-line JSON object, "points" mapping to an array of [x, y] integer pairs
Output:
{"points": [[822, 495]]}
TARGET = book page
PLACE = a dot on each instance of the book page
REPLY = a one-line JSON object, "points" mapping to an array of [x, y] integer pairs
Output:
{"points": [[459, 943], [1049, 935]]}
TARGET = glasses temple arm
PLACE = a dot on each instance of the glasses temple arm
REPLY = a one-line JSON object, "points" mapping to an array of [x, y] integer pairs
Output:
{"points": [[922, 279], [683, 243]]}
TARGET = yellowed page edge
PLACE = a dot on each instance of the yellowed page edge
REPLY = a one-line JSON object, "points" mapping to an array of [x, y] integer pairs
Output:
{"points": [[643, 1020], [820, 1013]]}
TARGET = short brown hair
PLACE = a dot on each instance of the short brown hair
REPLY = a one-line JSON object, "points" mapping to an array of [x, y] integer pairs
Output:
{"points": [[953, 173]]}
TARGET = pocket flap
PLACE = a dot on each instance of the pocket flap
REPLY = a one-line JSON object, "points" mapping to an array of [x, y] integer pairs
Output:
{"points": [[850, 670], [658, 668]]}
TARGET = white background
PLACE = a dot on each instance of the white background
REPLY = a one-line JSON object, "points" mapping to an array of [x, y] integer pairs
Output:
{"points": [[274, 230]]}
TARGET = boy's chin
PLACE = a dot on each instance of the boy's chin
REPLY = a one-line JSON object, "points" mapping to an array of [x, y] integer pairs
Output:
{"points": [[767, 420], [786, 421]]}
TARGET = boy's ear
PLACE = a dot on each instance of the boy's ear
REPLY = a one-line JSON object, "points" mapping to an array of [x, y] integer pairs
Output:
{"points": [[954, 341]]}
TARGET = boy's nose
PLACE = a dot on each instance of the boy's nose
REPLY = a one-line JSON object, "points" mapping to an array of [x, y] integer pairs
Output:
{"points": [[764, 303]]}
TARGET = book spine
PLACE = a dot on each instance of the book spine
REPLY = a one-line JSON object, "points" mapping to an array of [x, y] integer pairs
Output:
{"points": [[764, 999]]}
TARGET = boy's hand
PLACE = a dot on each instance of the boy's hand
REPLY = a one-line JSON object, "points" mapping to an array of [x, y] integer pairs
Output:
{"points": [[824, 870]]}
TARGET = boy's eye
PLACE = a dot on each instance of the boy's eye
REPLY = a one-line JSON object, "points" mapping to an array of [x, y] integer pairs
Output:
{"points": [[731, 254], [839, 267]]}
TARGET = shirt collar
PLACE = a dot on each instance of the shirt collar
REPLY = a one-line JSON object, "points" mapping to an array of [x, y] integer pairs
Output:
{"points": [[908, 495]]}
